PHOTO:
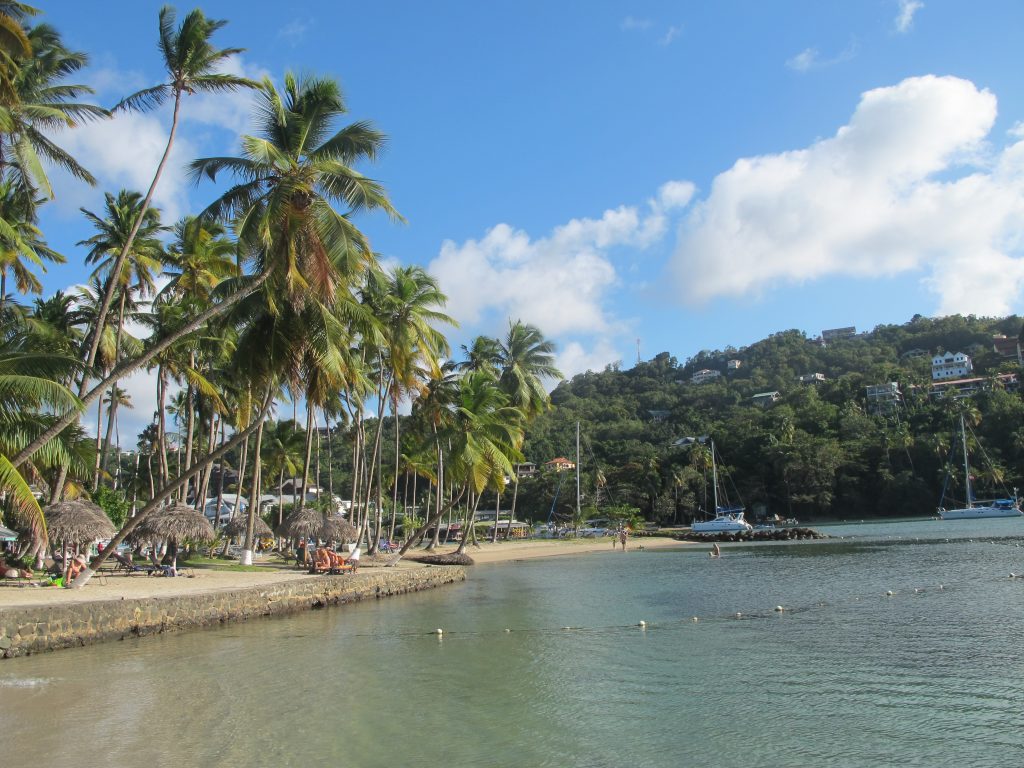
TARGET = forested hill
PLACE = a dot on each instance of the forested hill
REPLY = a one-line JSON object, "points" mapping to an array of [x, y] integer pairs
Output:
{"points": [[820, 450]]}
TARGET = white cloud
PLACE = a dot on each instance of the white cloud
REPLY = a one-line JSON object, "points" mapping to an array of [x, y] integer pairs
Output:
{"points": [[124, 152], [890, 192], [295, 30], [633, 23], [804, 60], [574, 358], [676, 194], [905, 17], [670, 34]]}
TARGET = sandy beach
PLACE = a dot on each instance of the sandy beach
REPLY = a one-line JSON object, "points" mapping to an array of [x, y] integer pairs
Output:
{"points": [[204, 580]]}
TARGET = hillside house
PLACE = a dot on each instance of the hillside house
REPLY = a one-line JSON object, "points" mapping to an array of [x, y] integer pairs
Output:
{"points": [[765, 399], [1007, 347], [951, 365], [561, 464], [704, 374], [883, 399], [812, 378]]}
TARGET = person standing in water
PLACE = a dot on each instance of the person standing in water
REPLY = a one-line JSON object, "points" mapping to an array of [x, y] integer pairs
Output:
{"points": [[623, 535], [716, 551]]}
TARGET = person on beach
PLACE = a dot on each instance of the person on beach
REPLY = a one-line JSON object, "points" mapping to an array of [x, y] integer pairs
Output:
{"points": [[75, 567], [623, 535]]}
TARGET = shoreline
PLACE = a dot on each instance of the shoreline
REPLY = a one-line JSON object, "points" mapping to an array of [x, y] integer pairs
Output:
{"points": [[113, 607]]}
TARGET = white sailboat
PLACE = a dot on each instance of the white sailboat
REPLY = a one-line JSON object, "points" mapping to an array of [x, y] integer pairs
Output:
{"points": [[727, 519], [973, 509]]}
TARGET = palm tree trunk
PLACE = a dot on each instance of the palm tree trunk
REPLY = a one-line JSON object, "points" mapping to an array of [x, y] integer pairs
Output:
{"points": [[435, 540], [309, 455], [112, 411], [190, 429], [165, 493], [470, 518], [204, 486], [512, 512], [161, 420], [257, 477], [127, 369], [96, 466], [108, 295], [220, 483], [433, 520], [394, 497], [497, 517]]}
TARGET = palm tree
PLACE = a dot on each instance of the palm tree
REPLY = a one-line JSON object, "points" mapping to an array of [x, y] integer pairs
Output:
{"points": [[190, 61], [38, 103], [289, 178], [21, 242], [283, 446], [14, 45], [524, 359], [201, 257]]}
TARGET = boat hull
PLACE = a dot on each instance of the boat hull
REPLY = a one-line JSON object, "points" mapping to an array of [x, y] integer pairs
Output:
{"points": [[975, 513], [721, 526]]}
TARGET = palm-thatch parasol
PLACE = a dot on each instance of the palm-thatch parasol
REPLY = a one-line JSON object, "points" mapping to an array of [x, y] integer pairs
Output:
{"points": [[175, 523], [237, 527], [302, 524], [77, 522], [337, 529]]}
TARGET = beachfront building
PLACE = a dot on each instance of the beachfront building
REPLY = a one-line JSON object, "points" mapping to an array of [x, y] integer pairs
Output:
{"points": [[951, 365], [704, 374]]}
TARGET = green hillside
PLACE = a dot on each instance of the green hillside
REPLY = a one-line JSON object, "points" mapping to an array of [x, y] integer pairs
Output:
{"points": [[819, 451]]}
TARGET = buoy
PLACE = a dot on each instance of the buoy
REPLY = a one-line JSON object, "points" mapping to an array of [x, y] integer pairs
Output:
{"points": [[778, 609], [507, 629], [642, 625], [889, 593], [739, 615], [566, 627], [916, 590], [941, 587], [1013, 575], [438, 631], [695, 619]]}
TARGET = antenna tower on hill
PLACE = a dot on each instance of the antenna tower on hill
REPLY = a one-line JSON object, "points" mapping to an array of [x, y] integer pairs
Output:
{"points": [[638, 350]]}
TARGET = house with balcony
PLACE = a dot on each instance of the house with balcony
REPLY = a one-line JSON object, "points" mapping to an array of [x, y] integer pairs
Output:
{"points": [[883, 399], [951, 365], [1007, 347], [812, 378]]}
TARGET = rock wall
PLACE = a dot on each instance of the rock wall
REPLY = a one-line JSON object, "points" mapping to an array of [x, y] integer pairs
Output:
{"points": [[32, 629]]}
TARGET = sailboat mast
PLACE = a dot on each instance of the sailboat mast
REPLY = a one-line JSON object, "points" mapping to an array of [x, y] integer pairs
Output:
{"points": [[967, 468], [714, 475], [577, 470]]}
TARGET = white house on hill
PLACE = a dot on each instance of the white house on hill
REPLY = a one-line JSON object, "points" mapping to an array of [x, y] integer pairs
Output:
{"points": [[952, 365]]}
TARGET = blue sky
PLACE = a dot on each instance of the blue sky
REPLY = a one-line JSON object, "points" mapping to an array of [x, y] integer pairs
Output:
{"points": [[694, 175]]}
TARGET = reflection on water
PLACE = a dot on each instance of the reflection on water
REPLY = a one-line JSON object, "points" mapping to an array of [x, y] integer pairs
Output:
{"points": [[845, 675]]}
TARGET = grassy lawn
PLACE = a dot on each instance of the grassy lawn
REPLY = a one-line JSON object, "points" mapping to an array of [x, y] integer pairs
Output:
{"points": [[217, 564]]}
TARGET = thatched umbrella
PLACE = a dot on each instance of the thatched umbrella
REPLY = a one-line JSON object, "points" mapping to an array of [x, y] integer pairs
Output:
{"points": [[303, 524], [237, 527], [336, 529], [77, 522], [175, 523]]}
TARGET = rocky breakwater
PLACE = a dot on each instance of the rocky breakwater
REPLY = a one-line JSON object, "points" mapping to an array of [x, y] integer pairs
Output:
{"points": [[34, 628], [758, 534]]}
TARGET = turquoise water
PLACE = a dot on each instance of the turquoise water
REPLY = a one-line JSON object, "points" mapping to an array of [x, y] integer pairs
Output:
{"points": [[844, 676]]}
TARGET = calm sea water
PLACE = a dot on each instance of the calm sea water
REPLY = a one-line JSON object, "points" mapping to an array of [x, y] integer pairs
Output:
{"points": [[844, 676]]}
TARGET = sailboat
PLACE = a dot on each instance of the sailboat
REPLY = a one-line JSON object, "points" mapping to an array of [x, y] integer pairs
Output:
{"points": [[974, 509], [728, 518]]}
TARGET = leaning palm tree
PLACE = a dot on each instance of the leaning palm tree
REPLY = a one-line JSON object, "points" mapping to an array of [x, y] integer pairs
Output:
{"points": [[191, 64]]}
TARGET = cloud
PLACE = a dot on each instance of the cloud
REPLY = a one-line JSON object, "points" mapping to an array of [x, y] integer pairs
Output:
{"points": [[810, 58], [907, 184], [575, 358], [560, 282], [295, 30], [670, 34], [633, 23], [804, 60], [905, 17]]}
